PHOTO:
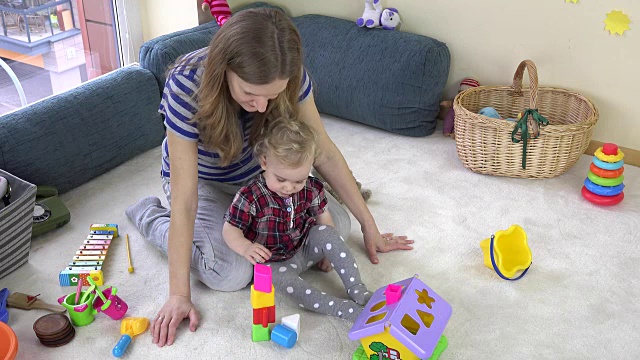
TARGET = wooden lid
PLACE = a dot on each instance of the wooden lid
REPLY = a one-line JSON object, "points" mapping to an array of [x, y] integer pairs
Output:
{"points": [[52, 326], [59, 342]]}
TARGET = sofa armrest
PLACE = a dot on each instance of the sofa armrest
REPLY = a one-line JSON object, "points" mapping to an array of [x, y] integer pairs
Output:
{"points": [[69, 138]]}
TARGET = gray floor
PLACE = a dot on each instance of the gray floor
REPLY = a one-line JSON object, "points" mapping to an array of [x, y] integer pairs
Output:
{"points": [[35, 82], [578, 301]]}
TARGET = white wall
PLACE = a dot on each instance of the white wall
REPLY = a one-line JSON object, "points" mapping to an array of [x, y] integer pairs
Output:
{"points": [[488, 39], [161, 17]]}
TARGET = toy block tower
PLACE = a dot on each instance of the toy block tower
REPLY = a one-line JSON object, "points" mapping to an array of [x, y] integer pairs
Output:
{"points": [[604, 183], [263, 303]]}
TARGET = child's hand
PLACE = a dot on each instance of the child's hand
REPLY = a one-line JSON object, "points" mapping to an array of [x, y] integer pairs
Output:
{"points": [[256, 253]]}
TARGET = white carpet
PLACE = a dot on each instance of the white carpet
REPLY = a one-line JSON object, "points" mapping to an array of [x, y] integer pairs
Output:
{"points": [[578, 301]]}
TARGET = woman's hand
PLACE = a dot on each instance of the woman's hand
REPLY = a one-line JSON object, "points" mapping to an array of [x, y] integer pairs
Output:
{"points": [[256, 253], [376, 242], [177, 308]]}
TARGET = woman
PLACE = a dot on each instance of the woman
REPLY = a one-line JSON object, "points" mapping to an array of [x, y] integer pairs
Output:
{"points": [[215, 103]]}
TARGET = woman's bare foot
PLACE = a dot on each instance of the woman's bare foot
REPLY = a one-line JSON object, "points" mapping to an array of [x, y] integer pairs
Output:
{"points": [[324, 265]]}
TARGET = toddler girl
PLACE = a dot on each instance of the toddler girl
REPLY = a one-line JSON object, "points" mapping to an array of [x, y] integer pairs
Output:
{"points": [[281, 219]]}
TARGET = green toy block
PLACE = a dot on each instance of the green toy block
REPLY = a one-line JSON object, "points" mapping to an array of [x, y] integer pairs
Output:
{"points": [[360, 354], [259, 333], [442, 345]]}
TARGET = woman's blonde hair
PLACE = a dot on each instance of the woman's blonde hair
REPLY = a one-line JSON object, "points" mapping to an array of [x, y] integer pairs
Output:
{"points": [[291, 141], [260, 46]]}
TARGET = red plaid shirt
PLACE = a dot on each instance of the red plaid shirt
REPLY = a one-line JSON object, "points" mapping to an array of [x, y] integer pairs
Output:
{"points": [[263, 217]]}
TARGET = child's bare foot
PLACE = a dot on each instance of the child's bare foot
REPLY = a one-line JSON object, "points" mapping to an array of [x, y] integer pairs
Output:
{"points": [[324, 265]]}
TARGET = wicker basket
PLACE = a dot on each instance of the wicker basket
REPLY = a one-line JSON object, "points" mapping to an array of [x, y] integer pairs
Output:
{"points": [[485, 145]]}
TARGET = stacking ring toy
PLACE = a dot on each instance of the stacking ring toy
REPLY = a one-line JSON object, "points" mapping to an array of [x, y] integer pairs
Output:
{"points": [[609, 174], [609, 158], [602, 200], [607, 165], [603, 190], [604, 181]]}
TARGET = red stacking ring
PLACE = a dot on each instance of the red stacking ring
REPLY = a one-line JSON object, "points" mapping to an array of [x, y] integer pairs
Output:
{"points": [[602, 200]]}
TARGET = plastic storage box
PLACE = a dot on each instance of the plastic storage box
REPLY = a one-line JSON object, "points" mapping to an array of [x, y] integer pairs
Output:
{"points": [[16, 221]]}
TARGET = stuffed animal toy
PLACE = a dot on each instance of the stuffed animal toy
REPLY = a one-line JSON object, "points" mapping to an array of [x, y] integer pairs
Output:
{"points": [[219, 10], [366, 193], [390, 19], [466, 83], [371, 15], [374, 16]]}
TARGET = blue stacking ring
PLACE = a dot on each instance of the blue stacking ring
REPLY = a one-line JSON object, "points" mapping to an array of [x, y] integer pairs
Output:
{"points": [[607, 165], [603, 190]]}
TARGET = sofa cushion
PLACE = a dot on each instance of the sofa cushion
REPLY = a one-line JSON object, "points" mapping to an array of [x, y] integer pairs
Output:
{"points": [[70, 138], [158, 54], [388, 79]]}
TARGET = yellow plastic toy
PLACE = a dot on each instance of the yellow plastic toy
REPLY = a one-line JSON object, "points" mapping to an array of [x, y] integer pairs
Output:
{"points": [[609, 158], [260, 299], [510, 253], [129, 328]]}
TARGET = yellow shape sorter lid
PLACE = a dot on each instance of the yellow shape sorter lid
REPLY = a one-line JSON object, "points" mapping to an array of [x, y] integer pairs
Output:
{"points": [[510, 250]]}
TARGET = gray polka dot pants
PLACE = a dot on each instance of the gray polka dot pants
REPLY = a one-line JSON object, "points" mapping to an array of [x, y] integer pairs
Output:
{"points": [[322, 241]]}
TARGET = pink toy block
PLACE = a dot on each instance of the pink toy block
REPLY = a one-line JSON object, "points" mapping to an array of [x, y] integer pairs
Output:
{"points": [[262, 278], [393, 293]]}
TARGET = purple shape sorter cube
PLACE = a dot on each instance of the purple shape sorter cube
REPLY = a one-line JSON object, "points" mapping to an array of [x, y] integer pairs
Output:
{"points": [[428, 311]]}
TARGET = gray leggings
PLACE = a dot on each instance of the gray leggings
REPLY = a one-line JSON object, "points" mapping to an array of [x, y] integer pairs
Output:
{"points": [[322, 241], [212, 261]]}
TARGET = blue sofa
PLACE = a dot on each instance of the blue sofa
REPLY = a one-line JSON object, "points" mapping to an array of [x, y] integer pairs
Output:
{"points": [[387, 79]]}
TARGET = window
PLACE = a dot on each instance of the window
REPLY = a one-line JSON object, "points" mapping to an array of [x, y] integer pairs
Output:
{"points": [[50, 46]]}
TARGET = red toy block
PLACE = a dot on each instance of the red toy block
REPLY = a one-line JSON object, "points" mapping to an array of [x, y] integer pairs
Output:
{"points": [[264, 316]]}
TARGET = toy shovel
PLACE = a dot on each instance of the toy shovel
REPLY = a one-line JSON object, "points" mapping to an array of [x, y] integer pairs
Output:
{"points": [[129, 328], [28, 302]]}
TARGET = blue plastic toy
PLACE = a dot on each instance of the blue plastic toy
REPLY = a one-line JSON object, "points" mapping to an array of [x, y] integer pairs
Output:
{"points": [[4, 314], [284, 336]]}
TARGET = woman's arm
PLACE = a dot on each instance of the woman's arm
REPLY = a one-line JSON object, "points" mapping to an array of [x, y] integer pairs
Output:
{"points": [[183, 158], [332, 166], [184, 204]]}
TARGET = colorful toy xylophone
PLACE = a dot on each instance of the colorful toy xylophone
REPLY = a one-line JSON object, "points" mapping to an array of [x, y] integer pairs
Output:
{"points": [[89, 257]]}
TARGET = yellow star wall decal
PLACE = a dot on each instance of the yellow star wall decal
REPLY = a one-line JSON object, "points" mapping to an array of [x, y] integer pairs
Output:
{"points": [[573, 1], [617, 22]]}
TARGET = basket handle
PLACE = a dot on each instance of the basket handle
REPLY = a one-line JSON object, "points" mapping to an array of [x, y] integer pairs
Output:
{"points": [[533, 82]]}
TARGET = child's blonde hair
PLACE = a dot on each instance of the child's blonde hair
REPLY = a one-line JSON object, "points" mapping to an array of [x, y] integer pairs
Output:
{"points": [[293, 142]]}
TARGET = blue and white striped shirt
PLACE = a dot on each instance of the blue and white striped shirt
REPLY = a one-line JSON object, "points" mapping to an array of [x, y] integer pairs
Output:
{"points": [[179, 106]]}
